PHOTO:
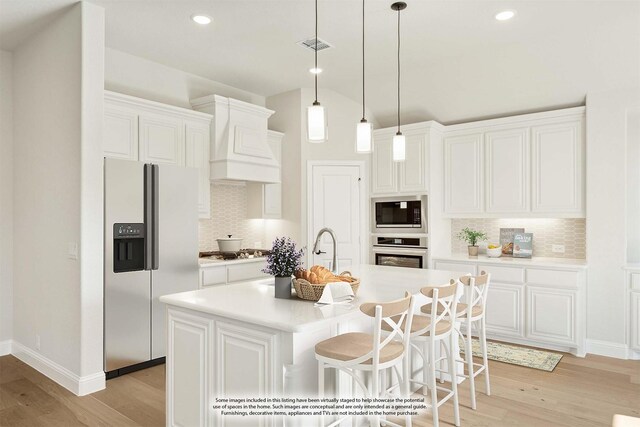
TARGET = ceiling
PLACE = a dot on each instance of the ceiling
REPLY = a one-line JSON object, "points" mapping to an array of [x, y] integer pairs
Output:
{"points": [[458, 62]]}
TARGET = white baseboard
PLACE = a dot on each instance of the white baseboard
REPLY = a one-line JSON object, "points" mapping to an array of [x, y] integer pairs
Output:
{"points": [[77, 385], [5, 347], [607, 348]]}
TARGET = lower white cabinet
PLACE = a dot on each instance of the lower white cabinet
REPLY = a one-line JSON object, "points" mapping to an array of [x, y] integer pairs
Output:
{"points": [[505, 310], [216, 275], [633, 280], [635, 321], [541, 306], [551, 315]]}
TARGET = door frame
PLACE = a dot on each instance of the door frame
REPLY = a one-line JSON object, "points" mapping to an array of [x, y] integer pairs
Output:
{"points": [[364, 210]]}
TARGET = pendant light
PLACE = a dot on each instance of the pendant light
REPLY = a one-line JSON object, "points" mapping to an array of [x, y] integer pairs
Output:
{"points": [[316, 115], [364, 128], [398, 140]]}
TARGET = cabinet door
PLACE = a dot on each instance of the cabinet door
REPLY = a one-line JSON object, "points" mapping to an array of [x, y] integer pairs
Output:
{"points": [[197, 156], [246, 271], [557, 168], [507, 171], [505, 309], [189, 370], [120, 133], [413, 173], [463, 174], [161, 139], [635, 320], [551, 315], [384, 175]]}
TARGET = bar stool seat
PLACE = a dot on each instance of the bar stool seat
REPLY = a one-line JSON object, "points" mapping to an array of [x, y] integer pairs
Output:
{"points": [[423, 322], [476, 311], [353, 345]]}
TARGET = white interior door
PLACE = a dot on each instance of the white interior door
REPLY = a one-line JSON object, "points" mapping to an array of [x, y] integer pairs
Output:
{"points": [[335, 203]]}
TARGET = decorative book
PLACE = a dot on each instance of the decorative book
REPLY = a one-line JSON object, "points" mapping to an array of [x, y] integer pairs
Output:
{"points": [[506, 239], [522, 245]]}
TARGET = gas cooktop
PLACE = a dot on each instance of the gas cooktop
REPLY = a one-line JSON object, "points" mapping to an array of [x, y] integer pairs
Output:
{"points": [[241, 254]]}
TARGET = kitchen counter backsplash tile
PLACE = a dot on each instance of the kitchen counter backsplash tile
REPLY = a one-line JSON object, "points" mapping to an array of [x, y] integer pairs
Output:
{"points": [[229, 216], [570, 232]]}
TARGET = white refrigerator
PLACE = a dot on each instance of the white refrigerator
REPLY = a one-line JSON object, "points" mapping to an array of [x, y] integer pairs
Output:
{"points": [[151, 249]]}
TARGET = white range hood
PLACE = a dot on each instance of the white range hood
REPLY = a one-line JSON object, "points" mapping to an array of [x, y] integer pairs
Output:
{"points": [[239, 147]]}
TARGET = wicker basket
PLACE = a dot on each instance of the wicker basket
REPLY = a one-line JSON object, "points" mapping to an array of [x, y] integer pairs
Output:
{"points": [[313, 291]]}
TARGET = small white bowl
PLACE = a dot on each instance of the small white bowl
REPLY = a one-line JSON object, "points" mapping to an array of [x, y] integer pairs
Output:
{"points": [[495, 252]]}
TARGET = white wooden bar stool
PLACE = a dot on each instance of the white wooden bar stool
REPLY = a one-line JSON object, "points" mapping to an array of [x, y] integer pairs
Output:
{"points": [[475, 290], [430, 331], [356, 351]]}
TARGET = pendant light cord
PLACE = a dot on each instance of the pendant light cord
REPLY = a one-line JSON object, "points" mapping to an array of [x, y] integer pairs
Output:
{"points": [[398, 71], [363, 103], [316, 55]]}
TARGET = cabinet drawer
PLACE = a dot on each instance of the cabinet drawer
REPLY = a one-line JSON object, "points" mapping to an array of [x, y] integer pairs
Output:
{"points": [[214, 275], [635, 281], [503, 274], [246, 271], [457, 267], [561, 279]]}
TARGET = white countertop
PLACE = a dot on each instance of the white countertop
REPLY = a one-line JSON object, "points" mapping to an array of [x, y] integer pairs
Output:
{"points": [[212, 262], [568, 263], [254, 301]]}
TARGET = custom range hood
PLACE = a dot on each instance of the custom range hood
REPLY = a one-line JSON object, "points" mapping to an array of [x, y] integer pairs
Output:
{"points": [[239, 148]]}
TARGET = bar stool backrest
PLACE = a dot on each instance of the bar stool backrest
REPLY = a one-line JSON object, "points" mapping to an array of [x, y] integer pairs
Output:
{"points": [[444, 305], [476, 289], [394, 314]]}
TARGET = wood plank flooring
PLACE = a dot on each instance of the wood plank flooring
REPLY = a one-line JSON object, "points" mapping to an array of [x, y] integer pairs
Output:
{"points": [[580, 392]]}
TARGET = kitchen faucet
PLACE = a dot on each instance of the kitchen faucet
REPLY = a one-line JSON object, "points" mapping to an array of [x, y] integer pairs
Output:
{"points": [[335, 248]]}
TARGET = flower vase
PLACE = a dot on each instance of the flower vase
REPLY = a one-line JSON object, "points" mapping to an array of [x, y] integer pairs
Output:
{"points": [[283, 287]]}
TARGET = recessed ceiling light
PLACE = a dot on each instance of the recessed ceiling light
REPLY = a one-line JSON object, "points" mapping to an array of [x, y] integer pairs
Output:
{"points": [[315, 70], [201, 19], [505, 15]]}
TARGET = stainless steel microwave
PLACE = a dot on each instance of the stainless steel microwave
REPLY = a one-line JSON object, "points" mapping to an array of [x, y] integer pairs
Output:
{"points": [[399, 214]]}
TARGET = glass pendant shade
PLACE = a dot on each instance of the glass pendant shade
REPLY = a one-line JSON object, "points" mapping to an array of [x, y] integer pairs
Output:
{"points": [[316, 123], [398, 148], [363, 137]]}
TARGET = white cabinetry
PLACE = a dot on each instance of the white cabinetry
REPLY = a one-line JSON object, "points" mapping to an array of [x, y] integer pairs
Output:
{"points": [[233, 272], [539, 306], [633, 312], [557, 168], [522, 166], [507, 170], [265, 200], [412, 175], [463, 183], [147, 131]]}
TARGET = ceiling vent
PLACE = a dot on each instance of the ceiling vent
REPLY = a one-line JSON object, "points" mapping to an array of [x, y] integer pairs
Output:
{"points": [[310, 43]]}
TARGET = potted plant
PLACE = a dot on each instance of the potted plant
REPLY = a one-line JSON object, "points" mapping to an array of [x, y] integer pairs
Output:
{"points": [[471, 237], [283, 260]]}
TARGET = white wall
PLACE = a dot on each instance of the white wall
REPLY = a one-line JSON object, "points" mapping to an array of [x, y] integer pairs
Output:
{"points": [[146, 79], [6, 199], [58, 97], [633, 185], [606, 215]]}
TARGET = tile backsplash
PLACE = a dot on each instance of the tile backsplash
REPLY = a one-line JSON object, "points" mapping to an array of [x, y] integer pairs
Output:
{"points": [[229, 216], [570, 232]]}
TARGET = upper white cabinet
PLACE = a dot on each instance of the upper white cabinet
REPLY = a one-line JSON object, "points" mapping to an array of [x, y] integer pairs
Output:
{"points": [[557, 167], [463, 184], [522, 166], [147, 131], [507, 170], [410, 176], [265, 200]]}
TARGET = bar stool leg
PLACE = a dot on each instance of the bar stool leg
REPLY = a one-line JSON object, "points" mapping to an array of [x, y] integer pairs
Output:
{"points": [[432, 383], [425, 368], [485, 361], [451, 362], [468, 353], [442, 347]]}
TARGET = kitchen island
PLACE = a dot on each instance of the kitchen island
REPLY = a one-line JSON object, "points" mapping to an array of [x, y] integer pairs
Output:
{"points": [[241, 341]]}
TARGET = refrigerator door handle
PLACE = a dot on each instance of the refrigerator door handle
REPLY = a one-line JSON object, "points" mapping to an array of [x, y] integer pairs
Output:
{"points": [[148, 216], [155, 241]]}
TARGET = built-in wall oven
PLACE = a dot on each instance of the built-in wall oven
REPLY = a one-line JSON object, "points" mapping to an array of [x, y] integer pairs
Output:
{"points": [[399, 214], [409, 252]]}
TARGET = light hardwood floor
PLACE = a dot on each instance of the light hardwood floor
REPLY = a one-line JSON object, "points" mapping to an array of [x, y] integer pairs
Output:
{"points": [[580, 392]]}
